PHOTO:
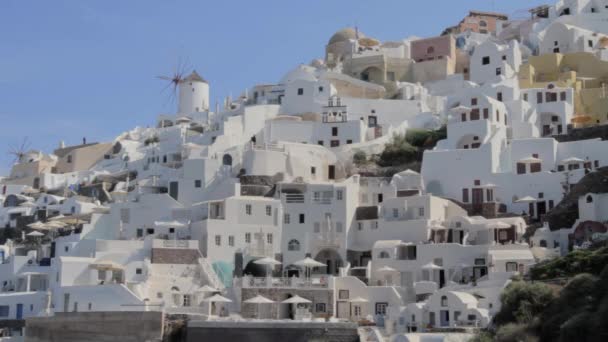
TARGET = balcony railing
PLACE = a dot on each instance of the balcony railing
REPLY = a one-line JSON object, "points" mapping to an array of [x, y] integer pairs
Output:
{"points": [[293, 282], [294, 198]]}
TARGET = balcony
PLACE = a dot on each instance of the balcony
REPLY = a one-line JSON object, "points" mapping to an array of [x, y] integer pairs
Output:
{"points": [[294, 198]]}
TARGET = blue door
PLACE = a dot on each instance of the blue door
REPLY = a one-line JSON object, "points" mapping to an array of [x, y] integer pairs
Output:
{"points": [[19, 311], [444, 317]]}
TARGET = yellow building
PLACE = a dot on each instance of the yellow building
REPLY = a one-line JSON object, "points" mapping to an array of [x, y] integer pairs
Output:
{"points": [[582, 71]]}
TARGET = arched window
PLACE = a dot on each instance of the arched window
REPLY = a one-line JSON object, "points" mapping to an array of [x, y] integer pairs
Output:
{"points": [[384, 255], [543, 243], [589, 199], [293, 245], [430, 49], [482, 23], [444, 301]]}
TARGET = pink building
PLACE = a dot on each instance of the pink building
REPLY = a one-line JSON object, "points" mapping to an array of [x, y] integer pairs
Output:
{"points": [[431, 49]]}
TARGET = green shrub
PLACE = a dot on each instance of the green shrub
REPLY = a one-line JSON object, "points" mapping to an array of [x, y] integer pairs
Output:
{"points": [[522, 301], [515, 332], [398, 152], [359, 158]]}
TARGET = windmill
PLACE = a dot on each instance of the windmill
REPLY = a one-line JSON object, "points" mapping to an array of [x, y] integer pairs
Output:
{"points": [[180, 71], [19, 151]]}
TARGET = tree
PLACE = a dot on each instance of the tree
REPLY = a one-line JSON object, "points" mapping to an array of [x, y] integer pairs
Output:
{"points": [[522, 301], [359, 158]]}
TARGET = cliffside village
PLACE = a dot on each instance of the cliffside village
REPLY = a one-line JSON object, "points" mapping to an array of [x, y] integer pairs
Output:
{"points": [[254, 210]]}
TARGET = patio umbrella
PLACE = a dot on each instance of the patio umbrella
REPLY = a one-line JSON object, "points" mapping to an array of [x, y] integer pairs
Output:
{"points": [[35, 234], [206, 289], [386, 269], [431, 266], [529, 160], [216, 299], [309, 263], [268, 262], [526, 199], [572, 160], [36, 225], [259, 300], [501, 225], [296, 300]]}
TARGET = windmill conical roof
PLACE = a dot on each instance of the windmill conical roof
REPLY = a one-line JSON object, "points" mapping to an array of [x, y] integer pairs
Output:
{"points": [[195, 77]]}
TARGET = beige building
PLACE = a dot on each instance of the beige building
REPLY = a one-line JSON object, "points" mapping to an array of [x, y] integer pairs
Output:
{"points": [[582, 71], [80, 157], [28, 169]]}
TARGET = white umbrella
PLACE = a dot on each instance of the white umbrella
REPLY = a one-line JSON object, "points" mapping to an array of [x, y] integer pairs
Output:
{"points": [[526, 199], [207, 288], [309, 263], [259, 300], [296, 300], [431, 266], [35, 234], [530, 160], [268, 262], [36, 225], [216, 299], [171, 224], [501, 225], [387, 269]]}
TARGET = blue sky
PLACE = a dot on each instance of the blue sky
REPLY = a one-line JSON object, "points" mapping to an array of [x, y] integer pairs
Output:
{"points": [[70, 69]]}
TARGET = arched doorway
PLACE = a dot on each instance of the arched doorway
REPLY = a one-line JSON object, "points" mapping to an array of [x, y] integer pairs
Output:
{"points": [[331, 258], [227, 160], [372, 74]]}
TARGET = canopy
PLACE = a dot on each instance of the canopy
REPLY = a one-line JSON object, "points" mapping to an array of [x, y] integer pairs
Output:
{"points": [[530, 160], [489, 185], [296, 300], [259, 300], [171, 224], [207, 288], [309, 262], [267, 261], [386, 269], [431, 266], [526, 199], [358, 300], [217, 299], [572, 160], [107, 265]]}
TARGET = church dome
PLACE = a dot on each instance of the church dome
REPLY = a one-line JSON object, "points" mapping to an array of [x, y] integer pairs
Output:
{"points": [[345, 35]]}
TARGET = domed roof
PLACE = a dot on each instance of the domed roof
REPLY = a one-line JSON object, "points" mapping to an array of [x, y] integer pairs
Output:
{"points": [[344, 35], [301, 72]]}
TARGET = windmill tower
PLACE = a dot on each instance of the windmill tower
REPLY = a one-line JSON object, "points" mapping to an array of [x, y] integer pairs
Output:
{"points": [[193, 94]]}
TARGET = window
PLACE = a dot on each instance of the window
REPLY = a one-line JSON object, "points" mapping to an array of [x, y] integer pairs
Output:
{"points": [[171, 230], [395, 212], [248, 209], [343, 294], [293, 245], [320, 89], [231, 240], [526, 97], [357, 310], [551, 97], [186, 300], [218, 240], [247, 237], [150, 231], [463, 117], [301, 218], [269, 238], [502, 235], [381, 308], [334, 143], [498, 71], [286, 219], [535, 167], [197, 183], [562, 96], [465, 195], [475, 114], [349, 141], [140, 232], [485, 60], [551, 204], [474, 101], [313, 170], [4, 310], [320, 142], [138, 271], [482, 23], [590, 43], [320, 307], [339, 195], [374, 224], [359, 225], [69, 160], [334, 131], [384, 255], [504, 57], [268, 210], [511, 267], [444, 301], [589, 199], [421, 211], [300, 91], [486, 113], [499, 96], [539, 97]]}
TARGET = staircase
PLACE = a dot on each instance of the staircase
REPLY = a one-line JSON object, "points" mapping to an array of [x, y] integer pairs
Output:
{"points": [[214, 280]]}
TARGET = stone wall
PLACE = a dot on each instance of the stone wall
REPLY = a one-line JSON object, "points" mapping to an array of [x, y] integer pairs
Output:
{"points": [[271, 332], [280, 294], [175, 256], [96, 327]]}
